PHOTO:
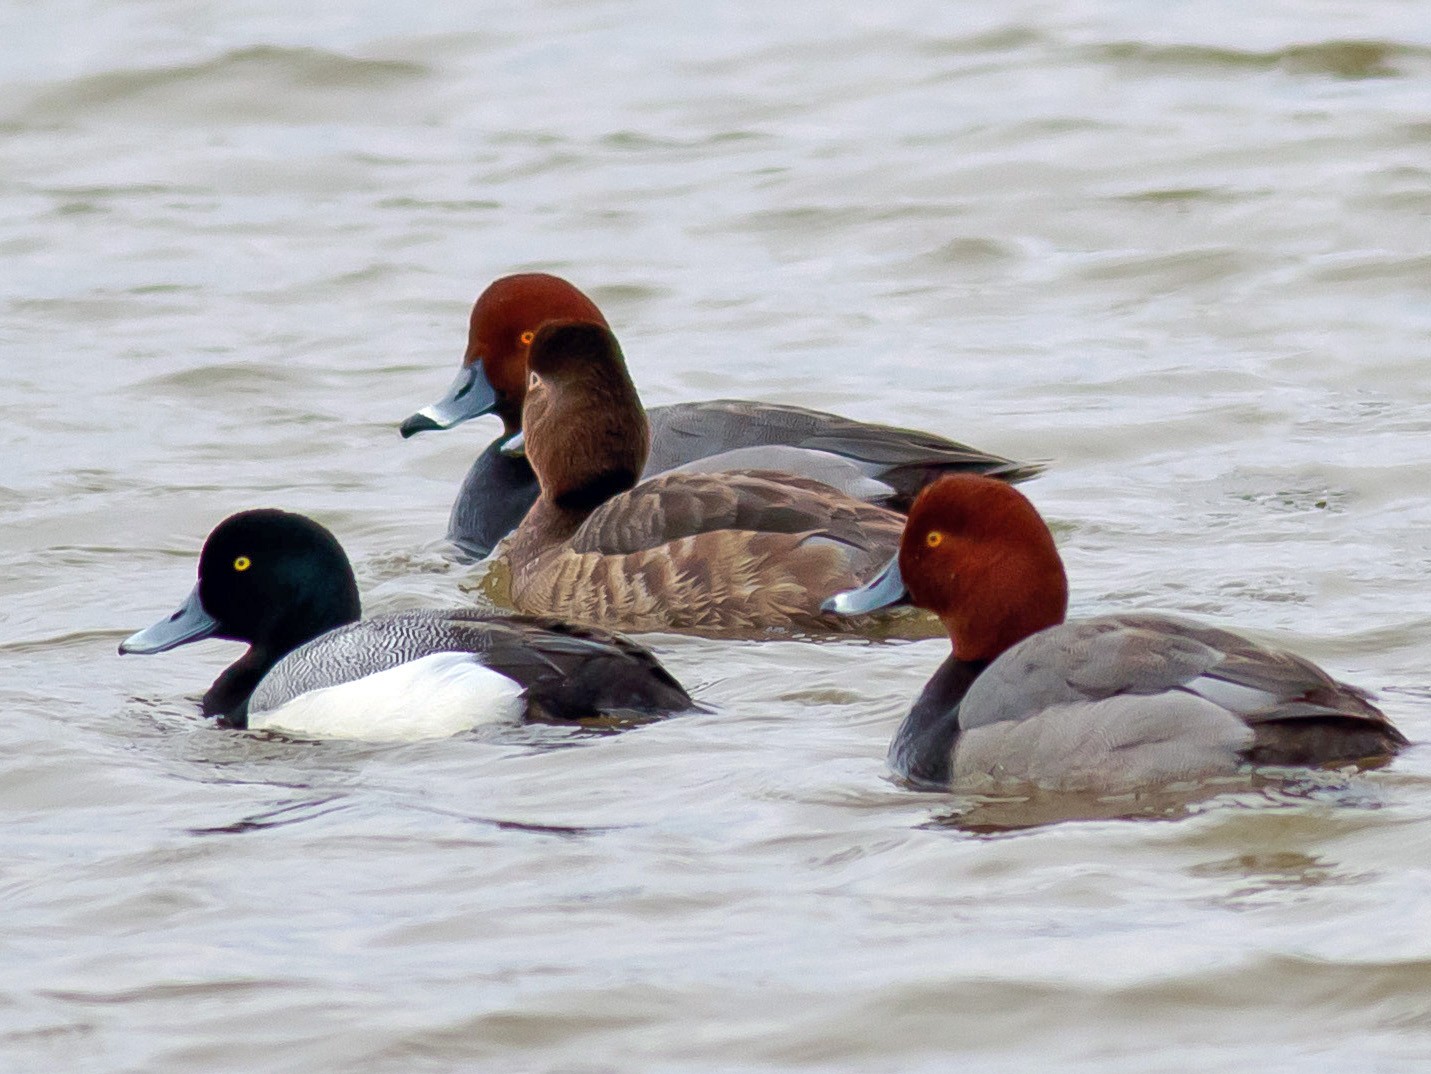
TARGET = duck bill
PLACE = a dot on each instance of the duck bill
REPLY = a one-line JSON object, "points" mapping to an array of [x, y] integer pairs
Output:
{"points": [[884, 590], [190, 623], [516, 448], [470, 396]]}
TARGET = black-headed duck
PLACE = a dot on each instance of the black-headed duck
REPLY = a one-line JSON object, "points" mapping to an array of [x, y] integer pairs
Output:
{"points": [[315, 668]]}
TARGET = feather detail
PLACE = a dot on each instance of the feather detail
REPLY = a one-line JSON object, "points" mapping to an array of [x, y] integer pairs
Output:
{"points": [[723, 582]]}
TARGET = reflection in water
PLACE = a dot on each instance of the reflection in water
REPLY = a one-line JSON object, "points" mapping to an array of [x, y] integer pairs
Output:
{"points": [[999, 816], [1260, 789], [288, 813], [1275, 871], [293, 813]]}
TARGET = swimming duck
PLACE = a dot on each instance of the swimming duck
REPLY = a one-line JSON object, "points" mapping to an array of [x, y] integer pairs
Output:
{"points": [[722, 554], [282, 583], [1105, 705], [877, 463]]}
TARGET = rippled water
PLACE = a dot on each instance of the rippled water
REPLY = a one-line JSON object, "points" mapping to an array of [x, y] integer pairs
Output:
{"points": [[1180, 250]]}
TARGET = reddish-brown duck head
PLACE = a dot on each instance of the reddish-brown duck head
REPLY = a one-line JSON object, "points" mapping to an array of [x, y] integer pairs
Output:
{"points": [[975, 552], [493, 377]]}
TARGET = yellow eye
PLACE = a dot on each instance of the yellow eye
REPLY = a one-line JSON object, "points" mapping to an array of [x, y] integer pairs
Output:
{"points": [[934, 538], [527, 337], [243, 563]]}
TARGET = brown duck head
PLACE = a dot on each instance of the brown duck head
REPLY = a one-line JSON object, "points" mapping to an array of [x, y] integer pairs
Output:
{"points": [[585, 432]]}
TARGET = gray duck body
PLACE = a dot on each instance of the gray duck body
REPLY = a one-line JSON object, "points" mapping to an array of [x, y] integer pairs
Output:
{"points": [[1122, 701]]}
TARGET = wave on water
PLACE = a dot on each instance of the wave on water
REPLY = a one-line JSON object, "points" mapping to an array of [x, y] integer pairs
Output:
{"points": [[1339, 59], [259, 83]]}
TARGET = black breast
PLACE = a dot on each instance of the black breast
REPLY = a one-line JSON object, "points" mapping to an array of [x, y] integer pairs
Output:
{"points": [[496, 495], [923, 747]]}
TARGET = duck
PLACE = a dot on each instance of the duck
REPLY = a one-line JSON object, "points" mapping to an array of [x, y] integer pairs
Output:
{"points": [[315, 668], [741, 553], [880, 464], [1106, 705]]}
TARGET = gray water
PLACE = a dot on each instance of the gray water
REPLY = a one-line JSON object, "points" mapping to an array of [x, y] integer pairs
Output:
{"points": [[1180, 250]]}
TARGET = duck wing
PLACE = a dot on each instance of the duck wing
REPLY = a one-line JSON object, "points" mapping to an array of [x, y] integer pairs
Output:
{"points": [[1299, 714], [880, 463], [672, 506], [1168, 697]]}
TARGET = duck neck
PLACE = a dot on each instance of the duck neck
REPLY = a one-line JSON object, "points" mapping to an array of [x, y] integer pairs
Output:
{"points": [[496, 495], [923, 747], [228, 696], [547, 524], [326, 607]]}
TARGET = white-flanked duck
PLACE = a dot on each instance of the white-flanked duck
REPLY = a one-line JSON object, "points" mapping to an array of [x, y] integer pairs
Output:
{"points": [[315, 668]]}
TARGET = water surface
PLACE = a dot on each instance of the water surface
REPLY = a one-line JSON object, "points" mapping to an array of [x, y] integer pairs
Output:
{"points": [[1180, 252]]}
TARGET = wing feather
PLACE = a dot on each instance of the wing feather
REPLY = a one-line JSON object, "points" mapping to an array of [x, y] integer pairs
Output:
{"points": [[1152, 655], [673, 506], [905, 460]]}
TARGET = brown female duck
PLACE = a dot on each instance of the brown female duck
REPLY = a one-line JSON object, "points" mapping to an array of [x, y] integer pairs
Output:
{"points": [[876, 463], [731, 554]]}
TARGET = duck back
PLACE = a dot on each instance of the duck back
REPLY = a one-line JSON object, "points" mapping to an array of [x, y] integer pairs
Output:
{"points": [[736, 554], [879, 464]]}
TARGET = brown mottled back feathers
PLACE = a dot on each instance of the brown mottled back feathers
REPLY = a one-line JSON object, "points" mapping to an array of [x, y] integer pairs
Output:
{"points": [[671, 506], [710, 553], [737, 552]]}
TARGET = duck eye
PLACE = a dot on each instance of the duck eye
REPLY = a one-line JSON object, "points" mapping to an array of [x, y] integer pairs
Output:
{"points": [[934, 538], [527, 337], [243, 563]]}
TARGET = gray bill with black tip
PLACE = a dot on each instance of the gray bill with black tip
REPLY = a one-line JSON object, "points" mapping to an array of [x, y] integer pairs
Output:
{"points": [[190, 623], [470, 396]]}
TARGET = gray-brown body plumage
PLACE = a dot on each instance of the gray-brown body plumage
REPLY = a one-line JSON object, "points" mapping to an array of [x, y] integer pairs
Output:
{"points": [[729, 554], [881, 464], [1125, 701]]}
